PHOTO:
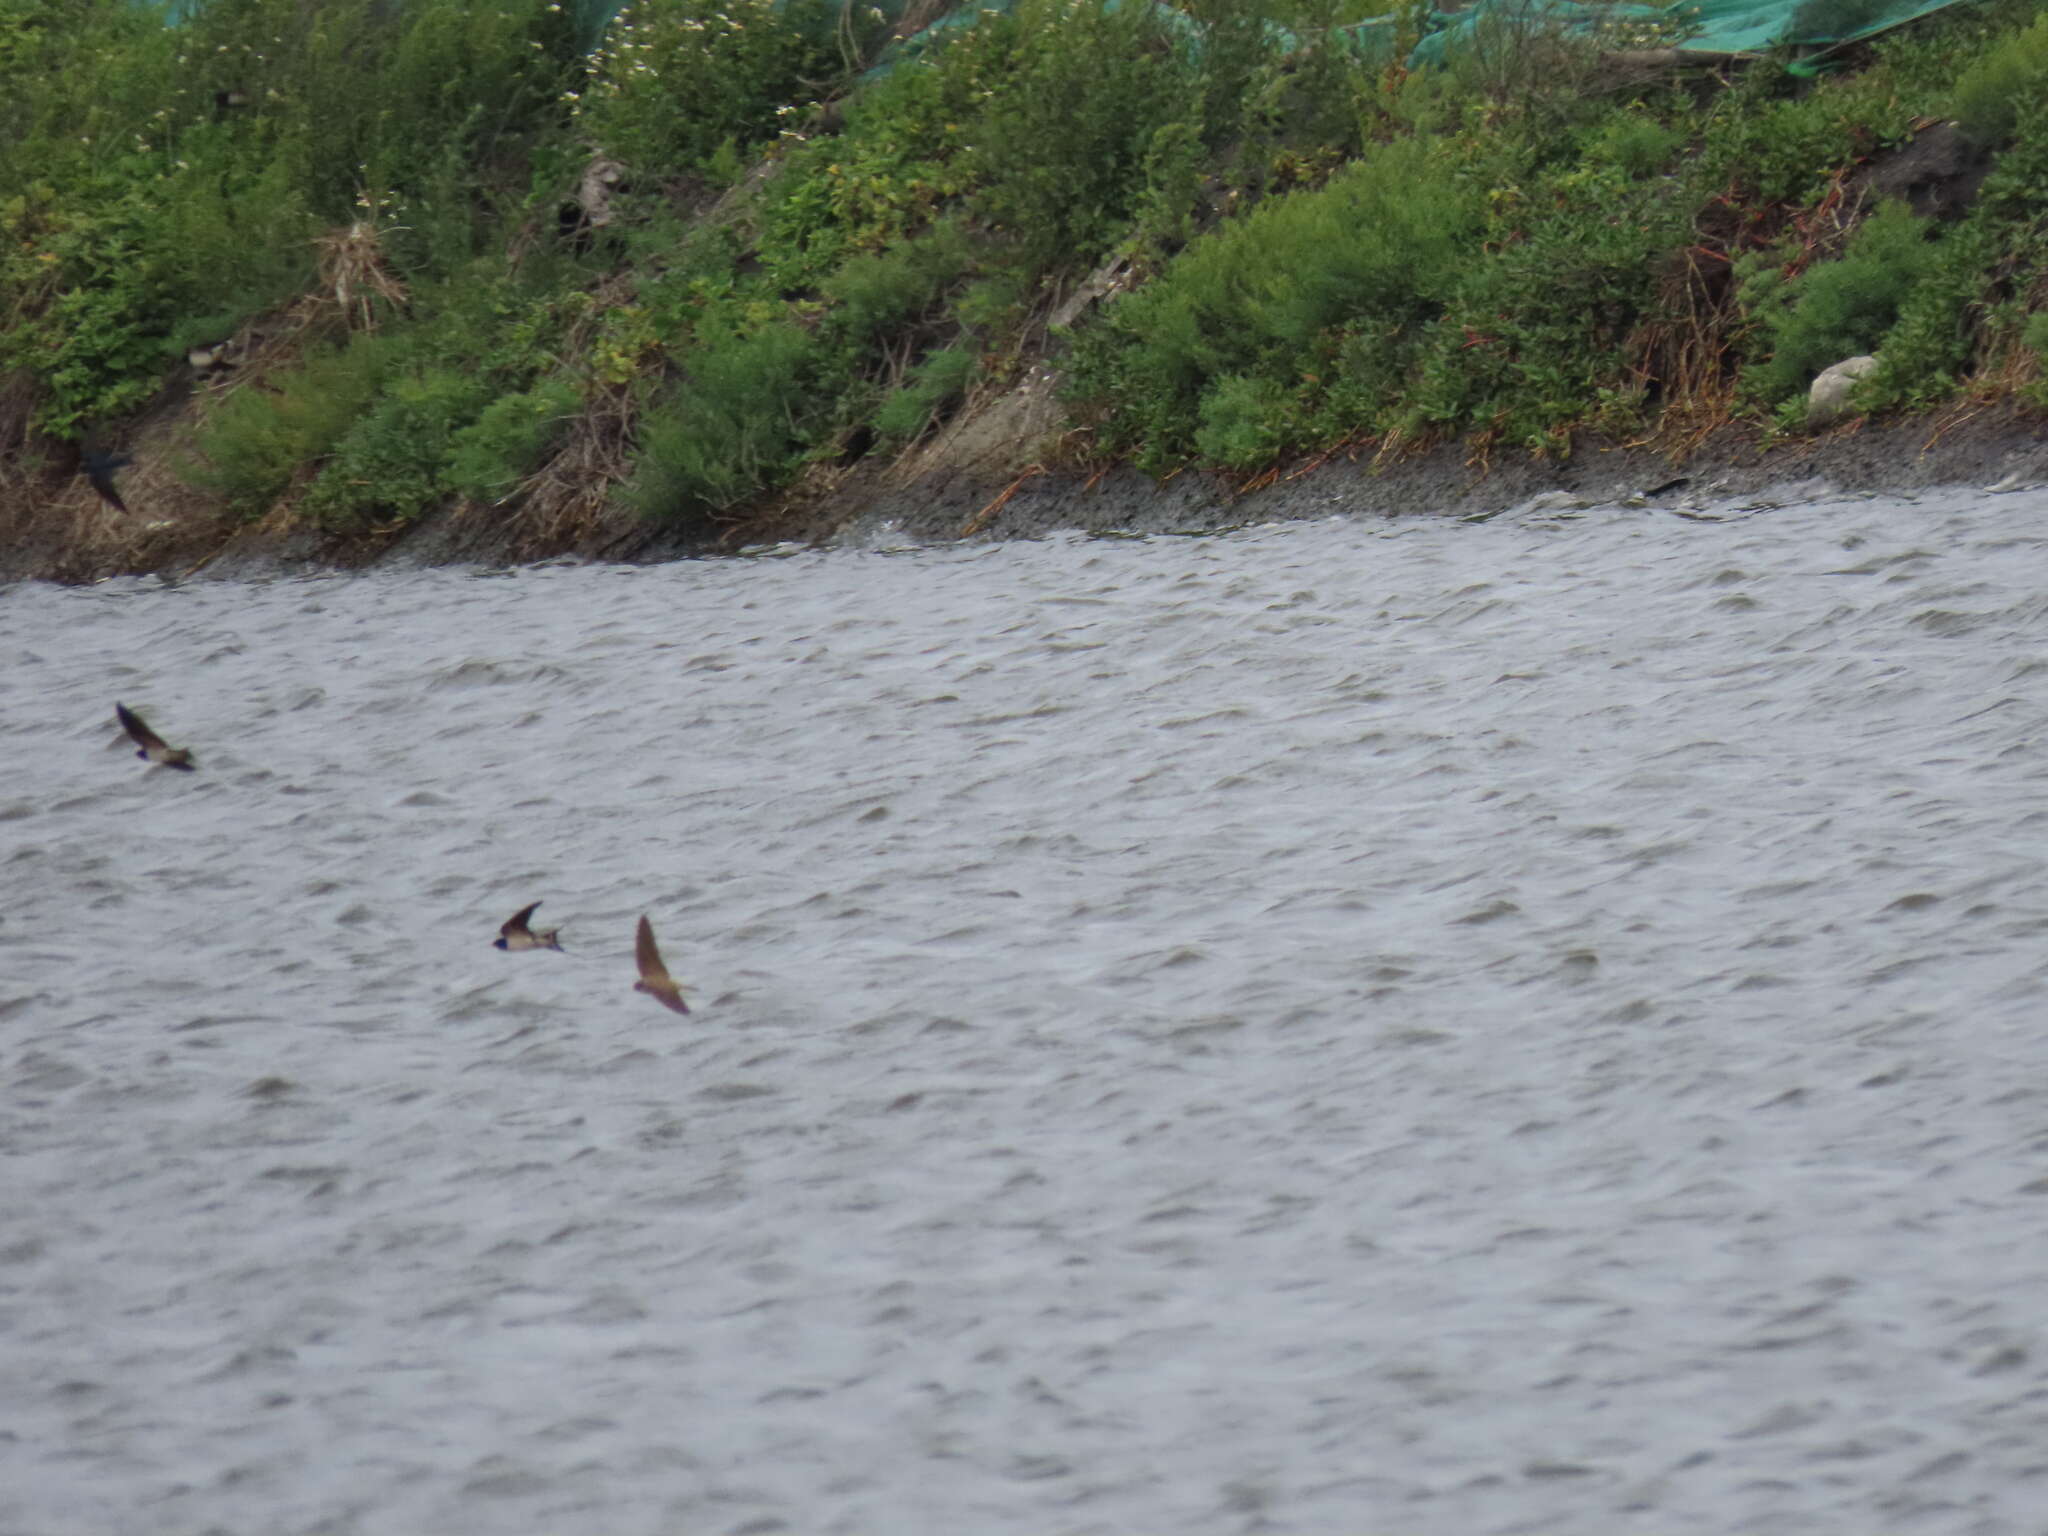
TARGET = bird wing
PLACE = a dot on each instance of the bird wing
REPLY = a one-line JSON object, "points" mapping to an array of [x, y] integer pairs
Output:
{"points": [[143, 736], [102, 478], [516, 923], [651, 968]]}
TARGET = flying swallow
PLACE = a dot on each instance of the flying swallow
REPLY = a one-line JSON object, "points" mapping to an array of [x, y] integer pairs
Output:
{"points": [[99, 469], [516, 935], [150, 746], [654, 978]]}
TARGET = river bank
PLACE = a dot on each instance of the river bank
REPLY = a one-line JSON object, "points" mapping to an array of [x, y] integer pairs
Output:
{"points": [[974, 486], [1057, 266]]}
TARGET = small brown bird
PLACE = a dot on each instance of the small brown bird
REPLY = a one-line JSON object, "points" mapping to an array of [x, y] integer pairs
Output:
{"points": [[654, 978], [150, 746], [515, 935]]}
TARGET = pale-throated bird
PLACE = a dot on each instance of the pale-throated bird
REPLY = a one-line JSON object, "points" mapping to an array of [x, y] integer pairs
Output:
{"points": [[149, 746], [515, 935]]}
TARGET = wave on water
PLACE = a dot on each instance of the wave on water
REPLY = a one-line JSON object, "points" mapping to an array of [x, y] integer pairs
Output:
{"points": [[1504, 1027]]}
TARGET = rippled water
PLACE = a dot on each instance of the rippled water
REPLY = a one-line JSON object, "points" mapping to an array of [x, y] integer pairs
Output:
{"points": [[1338, 1028]]}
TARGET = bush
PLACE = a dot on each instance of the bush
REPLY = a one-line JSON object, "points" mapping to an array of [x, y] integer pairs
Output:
{"points": [[1536, 337], [900, 161], [677, 82], [872, 295], [1989, 94], [1979, 281], [1278, 307], [252, 445], [488, 458], [2034, 338], [735, 424], [1246, 422], [158, 176], [936, 385], [389, 463], [1842, 308], [1061, 151], [357, 95], [1760, 152]]}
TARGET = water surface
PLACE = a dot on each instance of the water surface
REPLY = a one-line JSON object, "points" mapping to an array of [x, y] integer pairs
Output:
{"points": [[1522, 1027]]}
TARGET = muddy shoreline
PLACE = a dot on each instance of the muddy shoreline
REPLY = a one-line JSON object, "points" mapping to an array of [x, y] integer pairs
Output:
{"points": [[2001, 447], [986, 488]]}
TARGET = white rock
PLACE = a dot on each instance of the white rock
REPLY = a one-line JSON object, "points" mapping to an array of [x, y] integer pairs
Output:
{"points": [[1828, 400]]}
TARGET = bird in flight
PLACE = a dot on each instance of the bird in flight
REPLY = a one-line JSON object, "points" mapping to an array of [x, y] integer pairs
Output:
{"points": [[99, 469], [149, 746], [515, 935], [654, 978]]}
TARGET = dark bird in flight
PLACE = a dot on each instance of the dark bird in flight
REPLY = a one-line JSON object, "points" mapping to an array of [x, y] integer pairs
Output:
{"points": [[515, 935], [654, 978], [99, 468], [150, 746]]}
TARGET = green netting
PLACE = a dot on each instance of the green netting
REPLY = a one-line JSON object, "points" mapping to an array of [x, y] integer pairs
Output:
{"points": [[1750, 26], [1714, 26], [1711, 26]]}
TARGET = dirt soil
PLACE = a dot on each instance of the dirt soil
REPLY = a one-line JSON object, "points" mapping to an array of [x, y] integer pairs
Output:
{"points": [[2000, 446]]}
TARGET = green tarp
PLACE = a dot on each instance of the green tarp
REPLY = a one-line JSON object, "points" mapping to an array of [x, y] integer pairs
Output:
{"points": [[1709, 26], [1751, 26], [1714, 26]]}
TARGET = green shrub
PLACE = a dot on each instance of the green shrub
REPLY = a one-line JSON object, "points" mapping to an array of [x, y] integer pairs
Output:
{"points": [[935, 386], [993, 302], [871, 295], [1635, 144], [155, 178], [1060, 152], [389, 464], [1535, 68], [488, 458], [1966, 306], [1842, 308], [1290, 297], [901, 159], [677, 82], [1758, 151], [1989, 95], [2034, 338], [358, 95], [1246, 422], [251, 446], [1535, 339], [735, 424], [88, 309]]}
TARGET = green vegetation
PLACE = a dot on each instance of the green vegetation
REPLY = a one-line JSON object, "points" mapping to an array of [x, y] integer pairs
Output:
{"points": [[797, 256], [1837, 309], [1991, 93]]}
